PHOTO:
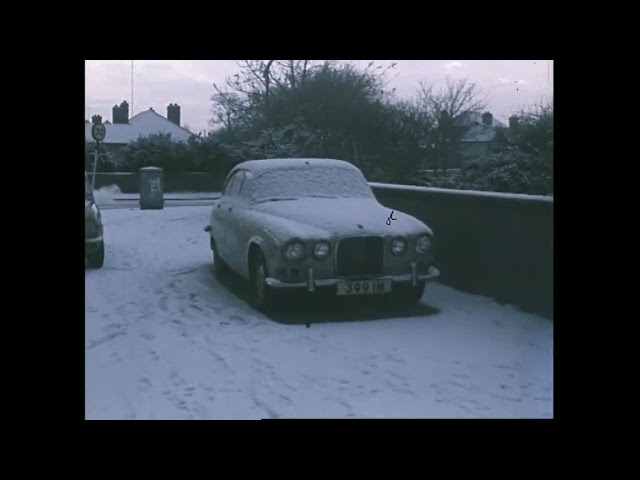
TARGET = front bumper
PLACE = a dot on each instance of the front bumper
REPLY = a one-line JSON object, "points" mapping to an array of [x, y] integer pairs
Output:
{"points": [[92, 245], [311, 283], [93, 241]]}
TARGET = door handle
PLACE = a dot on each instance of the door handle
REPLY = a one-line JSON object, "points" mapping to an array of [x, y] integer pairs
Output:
{"points": [[230, 208], [218, 205]]}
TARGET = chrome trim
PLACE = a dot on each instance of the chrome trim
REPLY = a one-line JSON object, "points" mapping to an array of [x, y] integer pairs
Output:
{"points": [[431, 275], [310, 283], [93, 240]]}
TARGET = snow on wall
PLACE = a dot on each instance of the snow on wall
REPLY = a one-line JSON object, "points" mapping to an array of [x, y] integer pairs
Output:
{"points": [[470, 193]]}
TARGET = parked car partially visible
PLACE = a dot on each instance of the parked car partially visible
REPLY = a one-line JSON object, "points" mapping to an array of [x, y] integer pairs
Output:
{"points": [[315, 224], [93, 229]]}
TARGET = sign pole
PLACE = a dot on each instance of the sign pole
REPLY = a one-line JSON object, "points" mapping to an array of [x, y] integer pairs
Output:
{"points": [[95, 165], [98, 132]]}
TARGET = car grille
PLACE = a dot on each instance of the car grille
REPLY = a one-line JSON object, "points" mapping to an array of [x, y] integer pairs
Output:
{"points": [[360, 256]]}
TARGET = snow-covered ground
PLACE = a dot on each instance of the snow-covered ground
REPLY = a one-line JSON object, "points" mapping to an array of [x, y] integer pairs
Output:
{"points": [[106, 195], [165, 340], [111, 195]]}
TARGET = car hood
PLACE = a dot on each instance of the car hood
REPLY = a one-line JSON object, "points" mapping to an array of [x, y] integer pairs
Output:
{"points": [[342, 216]]}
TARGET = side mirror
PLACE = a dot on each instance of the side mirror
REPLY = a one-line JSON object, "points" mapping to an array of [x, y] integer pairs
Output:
{"points": [[207, 229]]}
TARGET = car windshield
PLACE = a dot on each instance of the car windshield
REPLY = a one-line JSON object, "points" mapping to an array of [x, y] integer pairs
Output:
{"points": [[310, 182]]}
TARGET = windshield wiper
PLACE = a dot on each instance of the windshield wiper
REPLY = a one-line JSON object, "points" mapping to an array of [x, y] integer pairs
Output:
{"points": [[275, 199], [323, 196]]}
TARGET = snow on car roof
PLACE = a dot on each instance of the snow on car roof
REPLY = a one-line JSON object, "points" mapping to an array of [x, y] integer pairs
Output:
{"points": [[277, 163], [304, 177]]}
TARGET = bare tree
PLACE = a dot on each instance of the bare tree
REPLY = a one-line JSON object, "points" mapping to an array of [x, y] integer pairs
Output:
{"points": [[292, 72], [253, 85], [227, 109], [543, 107], [455, 98], [259, 76], [534, 133], [445, 106]]}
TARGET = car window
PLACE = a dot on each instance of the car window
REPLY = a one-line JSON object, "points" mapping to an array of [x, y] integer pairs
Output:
{"points": [[245, 186], [241, 181], [236, 184], [230, 184]]}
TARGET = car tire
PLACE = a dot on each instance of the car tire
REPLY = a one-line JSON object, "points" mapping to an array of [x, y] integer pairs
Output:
{"points": [[219, 267], [96, 258], [262, 296], [411, 294]]}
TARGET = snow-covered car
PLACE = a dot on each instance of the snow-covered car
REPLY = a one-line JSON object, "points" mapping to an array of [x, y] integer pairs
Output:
{"points": [[93, 239], [315, 224]]}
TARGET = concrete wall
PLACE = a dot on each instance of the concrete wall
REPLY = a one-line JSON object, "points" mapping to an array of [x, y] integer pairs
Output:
{"points": [[173, 182], [499, 245]]}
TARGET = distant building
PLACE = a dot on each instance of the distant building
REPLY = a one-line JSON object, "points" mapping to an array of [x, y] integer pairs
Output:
{"points": [[477, 135], [480, 134], [123, 130]]}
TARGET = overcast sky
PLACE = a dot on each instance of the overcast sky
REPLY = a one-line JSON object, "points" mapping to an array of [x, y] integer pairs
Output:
{"points": [[510, 84]]}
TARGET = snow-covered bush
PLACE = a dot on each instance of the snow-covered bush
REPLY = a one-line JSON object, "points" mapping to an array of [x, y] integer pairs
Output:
{"points": [[106, 194], [509, 171]]}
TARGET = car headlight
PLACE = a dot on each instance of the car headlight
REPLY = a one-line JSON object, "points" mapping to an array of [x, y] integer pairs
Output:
{"points": [[423, 244], [294, 251], [322, 249], [398, 246]]}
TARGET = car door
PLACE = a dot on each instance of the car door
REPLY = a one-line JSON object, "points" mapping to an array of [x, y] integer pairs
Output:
{"points": [[234, 207], [220, 218], [244, 227]]}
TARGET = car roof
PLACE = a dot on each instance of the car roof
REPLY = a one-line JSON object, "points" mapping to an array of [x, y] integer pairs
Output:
{"points": [[259, 166]]}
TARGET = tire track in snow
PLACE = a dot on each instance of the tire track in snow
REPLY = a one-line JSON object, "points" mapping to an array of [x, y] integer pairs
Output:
{"points": [[105, 339]]}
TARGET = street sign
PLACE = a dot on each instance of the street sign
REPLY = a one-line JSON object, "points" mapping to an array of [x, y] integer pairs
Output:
{"points": [[98, 132]]}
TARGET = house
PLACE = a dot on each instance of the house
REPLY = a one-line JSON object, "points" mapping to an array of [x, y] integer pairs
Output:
{"points": [[123, 130], [475, 136], [482, 133]]}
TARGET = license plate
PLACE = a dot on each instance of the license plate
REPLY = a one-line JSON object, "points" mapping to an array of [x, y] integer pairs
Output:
{"points": [[364, 287]]}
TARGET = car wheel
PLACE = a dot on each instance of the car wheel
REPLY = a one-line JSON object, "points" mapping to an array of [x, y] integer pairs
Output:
{"points": [[219, 267], [96, 258], [262, 295], [411, 294]]}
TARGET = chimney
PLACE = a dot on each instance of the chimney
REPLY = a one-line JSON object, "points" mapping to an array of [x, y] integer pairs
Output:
{"points": [[124, 112], [487, 118], [173, 113], [96, 119], [513, 123], [115, 117]]}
